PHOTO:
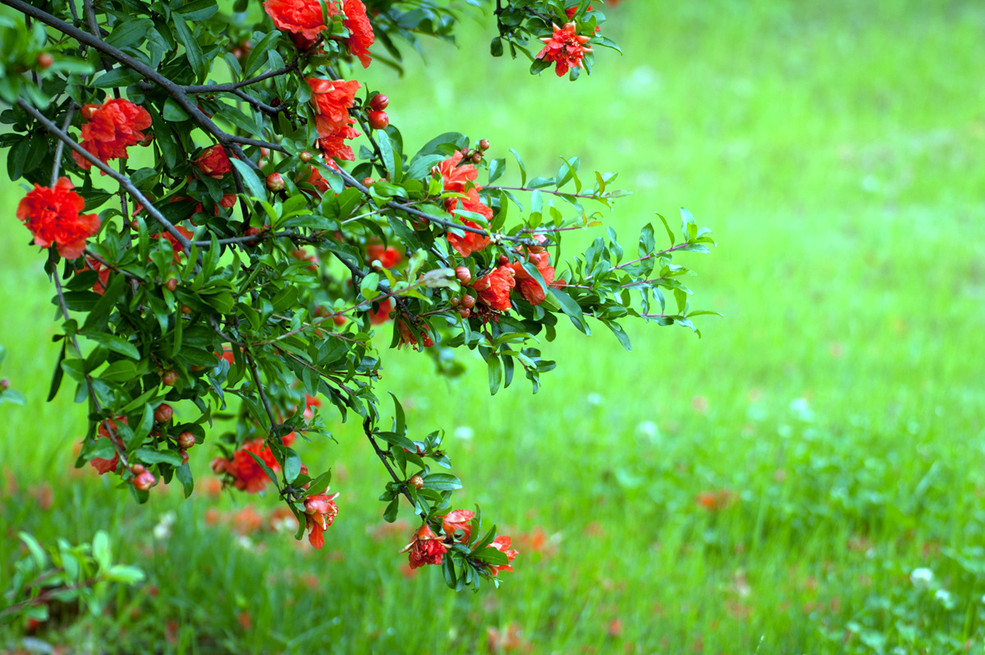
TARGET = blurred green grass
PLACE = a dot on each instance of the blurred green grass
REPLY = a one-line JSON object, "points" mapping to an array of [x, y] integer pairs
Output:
{"points": [[835, 413]]}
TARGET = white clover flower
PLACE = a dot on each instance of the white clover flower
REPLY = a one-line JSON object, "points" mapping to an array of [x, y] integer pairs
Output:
{"points": [[921, 577], [163, 528], [943, 596]]}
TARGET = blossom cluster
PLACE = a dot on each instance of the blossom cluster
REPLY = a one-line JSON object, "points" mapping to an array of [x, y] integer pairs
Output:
{"points": [[430, 548], [332, 100], [565, 48], [304, 21]]}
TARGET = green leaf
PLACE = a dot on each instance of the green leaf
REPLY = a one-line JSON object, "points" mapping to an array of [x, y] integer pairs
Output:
{"points": [[128, 32], [192, 48], [101, 550], [124, 573], [442, 482], [256, 188], [117, 77], [150, 456], [114, 343], [292, 465], [173, 112], [37, 552], [387, 154], [57, 375]]}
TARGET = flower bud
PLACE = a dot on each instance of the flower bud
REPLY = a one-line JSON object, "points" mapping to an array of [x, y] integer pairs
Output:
{"points": [[171, 284], [169, 378], [463, 274], [305, 156], [484, 144], [378, 120], [163, 413], [416, 481], [4, 384], [275, 182], [144, 481], [468, 301], [45, 60], [186, 440], [379, 102]]}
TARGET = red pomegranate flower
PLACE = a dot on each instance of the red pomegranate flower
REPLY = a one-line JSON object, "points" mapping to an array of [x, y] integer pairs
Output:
{"points": [[247, 475], [388, 257], [360, 30], [459, 519], [52, 215], [332, 100], [319, 512], [214, 162], [456, 175], [110, 128], [302, 18], [427, 548], [108, 430], [528, 287], [459, 178], [565, 48], [502, 544], [494, 288]]}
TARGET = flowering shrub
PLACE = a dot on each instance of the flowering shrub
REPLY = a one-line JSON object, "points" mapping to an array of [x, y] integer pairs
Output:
{"points": [[243, 276]]}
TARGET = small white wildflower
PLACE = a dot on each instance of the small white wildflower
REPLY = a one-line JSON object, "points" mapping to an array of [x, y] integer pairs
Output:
{"points": [[163, 528], [464, 432], [801, 407], [943, 596], [648, 429], [921, 577], [594, 399]]}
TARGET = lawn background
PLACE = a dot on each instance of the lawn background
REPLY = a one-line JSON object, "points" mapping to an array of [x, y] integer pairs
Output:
{"points": [[833, 418]]}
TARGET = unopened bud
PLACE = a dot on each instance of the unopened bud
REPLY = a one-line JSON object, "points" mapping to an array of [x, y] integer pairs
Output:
{"points": [[163, 413], [186, 440], [275, 182]]}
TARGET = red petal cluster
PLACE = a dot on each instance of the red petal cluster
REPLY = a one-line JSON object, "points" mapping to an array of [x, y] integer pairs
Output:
{"points": [[316, 180], [502, 544], [494, 288], [564, 48], [110, 128], [99, 286], [529, 287], [319, 512], [302, 18], [52, 215], [332, 100], [214, 162], [108, 430], [388, 257], [459, 178], [360, 30], [460, 519], [427, 548], [247, 475], [409, 334]]}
